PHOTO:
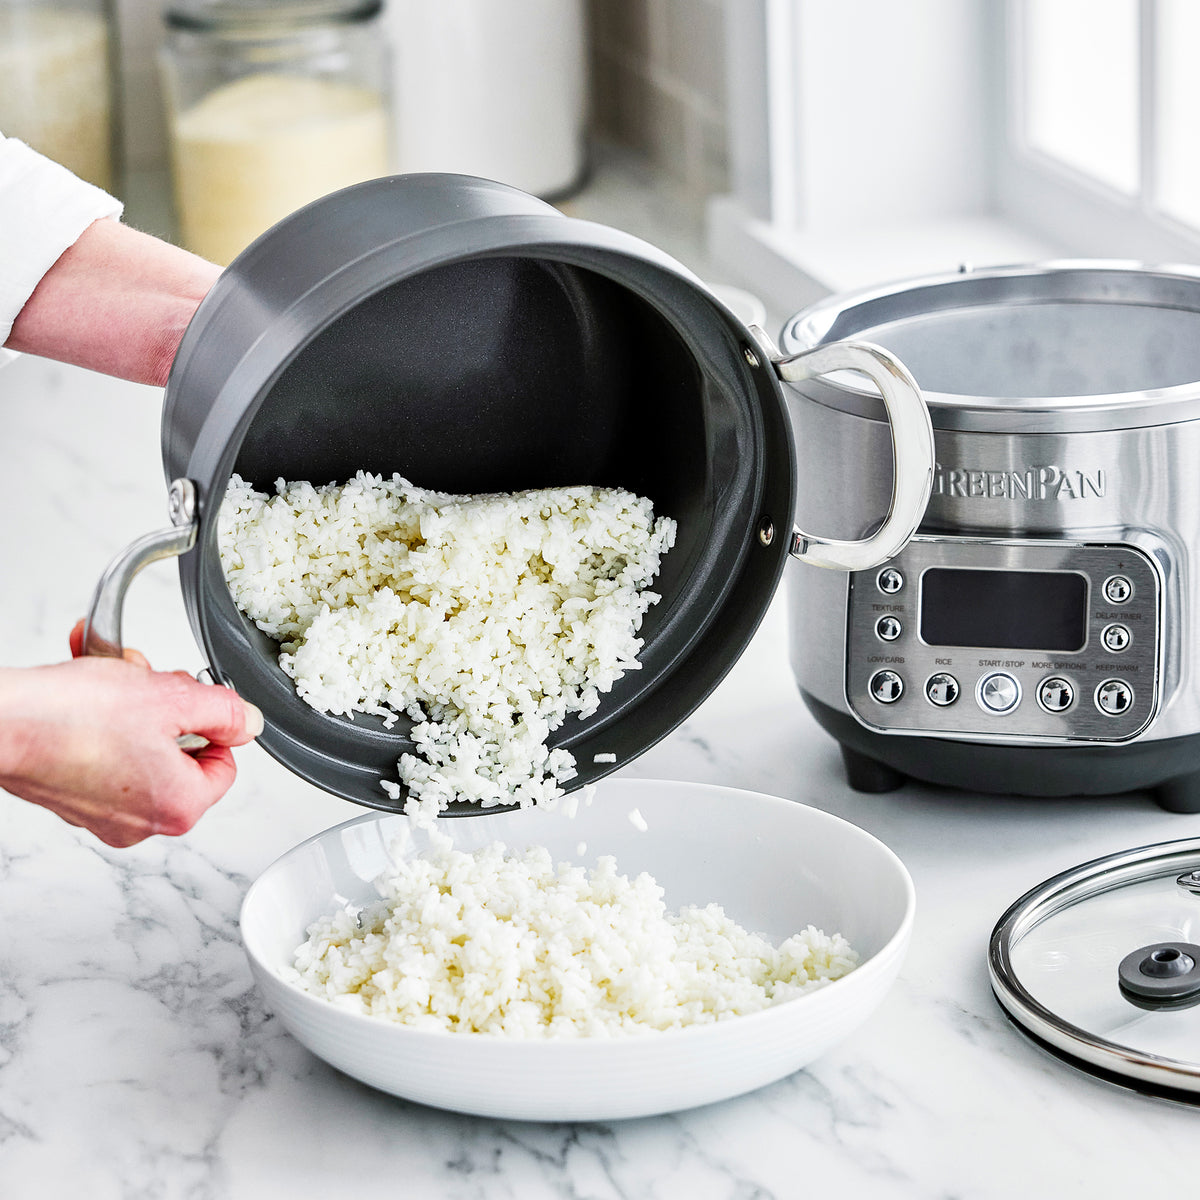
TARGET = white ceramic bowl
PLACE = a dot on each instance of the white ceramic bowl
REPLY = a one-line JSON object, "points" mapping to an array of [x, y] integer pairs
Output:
{"points": [[774, 865]]}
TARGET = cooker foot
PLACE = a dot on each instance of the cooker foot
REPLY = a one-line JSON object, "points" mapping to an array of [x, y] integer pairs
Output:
{"points": [[1179, 795], [865, 774]]}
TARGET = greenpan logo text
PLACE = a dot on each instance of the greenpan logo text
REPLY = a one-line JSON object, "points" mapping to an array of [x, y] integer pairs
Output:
{"points": [[1031, 483]]}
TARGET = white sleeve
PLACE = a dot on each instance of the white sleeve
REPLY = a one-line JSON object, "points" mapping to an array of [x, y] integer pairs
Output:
{"points": [[43, 210]]}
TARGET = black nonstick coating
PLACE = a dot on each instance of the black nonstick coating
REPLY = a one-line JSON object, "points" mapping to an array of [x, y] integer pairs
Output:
{"points": [[516, 368]]}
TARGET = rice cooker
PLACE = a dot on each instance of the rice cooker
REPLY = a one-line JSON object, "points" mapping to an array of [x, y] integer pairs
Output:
{"points": [[475, 339], [1038, 636]]}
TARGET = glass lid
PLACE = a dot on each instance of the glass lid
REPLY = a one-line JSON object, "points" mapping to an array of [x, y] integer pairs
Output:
{"points": [[1101, 965]]}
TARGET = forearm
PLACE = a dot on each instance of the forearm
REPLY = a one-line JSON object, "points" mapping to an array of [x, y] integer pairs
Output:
{"points": [[117, 301]]}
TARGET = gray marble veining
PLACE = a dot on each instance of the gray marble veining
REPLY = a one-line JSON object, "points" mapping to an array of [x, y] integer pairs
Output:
{"points": [[137, 1061]]}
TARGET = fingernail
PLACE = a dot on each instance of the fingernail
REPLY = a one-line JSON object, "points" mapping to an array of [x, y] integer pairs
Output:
{"points": [[254, 719]]}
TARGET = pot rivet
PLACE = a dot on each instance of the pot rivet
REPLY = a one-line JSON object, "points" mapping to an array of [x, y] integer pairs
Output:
{"points": [[181, 502], [766, 531], [750, 357]]}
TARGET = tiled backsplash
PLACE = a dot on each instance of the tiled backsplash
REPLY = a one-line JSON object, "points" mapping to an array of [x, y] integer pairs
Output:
{"points": [[658, 84]]}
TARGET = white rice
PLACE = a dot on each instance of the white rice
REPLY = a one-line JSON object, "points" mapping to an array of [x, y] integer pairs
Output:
{"points": [[510, 944], [486, 619]]}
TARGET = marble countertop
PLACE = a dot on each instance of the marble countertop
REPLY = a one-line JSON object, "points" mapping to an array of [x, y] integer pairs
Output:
{"points": [[136, 1059]]}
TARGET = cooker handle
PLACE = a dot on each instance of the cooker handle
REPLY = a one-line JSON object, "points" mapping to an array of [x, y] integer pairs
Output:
{"points": [[912, 452], [102, 626]]}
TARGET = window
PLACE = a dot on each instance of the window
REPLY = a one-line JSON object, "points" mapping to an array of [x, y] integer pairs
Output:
{"points": [[1103, 124], [1077, 70], [1176, 101], [872, 140]]}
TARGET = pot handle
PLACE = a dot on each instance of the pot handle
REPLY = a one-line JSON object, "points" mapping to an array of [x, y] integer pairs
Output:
{"points": [[912, 452], [102, 626]]}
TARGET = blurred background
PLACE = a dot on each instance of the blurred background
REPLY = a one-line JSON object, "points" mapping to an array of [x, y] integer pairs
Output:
{"points": [[792, 146]]}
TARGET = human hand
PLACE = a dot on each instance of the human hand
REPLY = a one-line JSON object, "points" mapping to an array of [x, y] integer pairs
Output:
{"points": [[93, 740]]}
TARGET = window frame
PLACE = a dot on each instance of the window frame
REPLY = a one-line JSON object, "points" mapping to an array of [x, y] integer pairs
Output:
{"points": [[1036, 208], [1067, 205]]}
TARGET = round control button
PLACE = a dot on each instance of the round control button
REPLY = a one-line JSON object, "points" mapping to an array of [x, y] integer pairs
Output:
{"points": [[889, 581], [1116, 638], [998, 693], [1117, 589], [888, 628], [1113, 697], [1055, 695], [941, 689], [886, 687]]}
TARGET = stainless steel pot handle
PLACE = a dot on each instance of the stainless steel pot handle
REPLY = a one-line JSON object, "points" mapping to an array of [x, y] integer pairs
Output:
{"points": [[912, 452], [102, 626]]}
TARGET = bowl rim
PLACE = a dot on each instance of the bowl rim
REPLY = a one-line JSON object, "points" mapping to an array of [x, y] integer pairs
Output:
{"points": [[879, 963]]}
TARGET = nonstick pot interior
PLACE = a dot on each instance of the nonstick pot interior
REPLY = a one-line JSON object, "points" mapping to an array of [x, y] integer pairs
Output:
{"points": [[513, 370]]}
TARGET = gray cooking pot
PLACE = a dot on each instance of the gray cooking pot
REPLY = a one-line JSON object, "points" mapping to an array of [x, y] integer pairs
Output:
{"points": [[475, 339]]}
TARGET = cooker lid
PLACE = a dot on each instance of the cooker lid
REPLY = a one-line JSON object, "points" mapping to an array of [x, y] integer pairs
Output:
{"points": [[1101, 966], [1067, 346]]}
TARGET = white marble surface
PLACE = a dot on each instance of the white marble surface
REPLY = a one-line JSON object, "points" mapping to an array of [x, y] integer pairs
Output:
{"points": [[137, 1061]]}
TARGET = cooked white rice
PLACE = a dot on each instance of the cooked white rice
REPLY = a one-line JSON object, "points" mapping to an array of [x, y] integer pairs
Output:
{"points": [[486, 619], [510, 944]]}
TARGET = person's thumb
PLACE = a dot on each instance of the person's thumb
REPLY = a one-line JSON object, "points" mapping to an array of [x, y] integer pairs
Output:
{"points": [[218, 714]]}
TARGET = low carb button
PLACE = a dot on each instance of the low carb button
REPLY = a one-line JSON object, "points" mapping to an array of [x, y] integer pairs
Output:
{"points": [[886, 687]]}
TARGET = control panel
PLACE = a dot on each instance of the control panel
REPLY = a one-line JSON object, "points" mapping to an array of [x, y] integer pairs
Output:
{"points": [[1008, 640]]}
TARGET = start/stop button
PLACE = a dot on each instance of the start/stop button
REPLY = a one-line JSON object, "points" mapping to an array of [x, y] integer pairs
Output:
{"points": [[998, 693]]}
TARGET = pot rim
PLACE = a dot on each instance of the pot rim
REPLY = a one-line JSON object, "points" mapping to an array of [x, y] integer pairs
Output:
{"points": [[856, 314]]}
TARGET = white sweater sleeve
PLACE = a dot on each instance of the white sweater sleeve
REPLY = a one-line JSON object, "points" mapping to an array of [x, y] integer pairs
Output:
{"points": [[43, 210]]}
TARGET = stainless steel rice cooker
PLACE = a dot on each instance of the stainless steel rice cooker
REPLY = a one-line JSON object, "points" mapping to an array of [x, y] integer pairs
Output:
{"points": [[475, 339], [1039, 634]]}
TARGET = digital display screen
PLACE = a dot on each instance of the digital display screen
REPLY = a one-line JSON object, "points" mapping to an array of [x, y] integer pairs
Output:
{"points": [[1008, 610]]}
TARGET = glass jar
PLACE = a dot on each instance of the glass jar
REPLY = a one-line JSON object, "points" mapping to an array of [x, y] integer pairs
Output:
{"points": [[269, 105], [55, 83]]}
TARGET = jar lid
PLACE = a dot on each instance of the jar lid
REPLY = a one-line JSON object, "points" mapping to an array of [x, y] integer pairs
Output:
{"points": [[258, 15], [1101, 966]]}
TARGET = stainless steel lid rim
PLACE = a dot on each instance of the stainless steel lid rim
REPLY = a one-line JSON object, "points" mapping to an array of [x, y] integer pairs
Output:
{"points": [[1030, 416], [952, 297], [819, 320], [1053, 895]]}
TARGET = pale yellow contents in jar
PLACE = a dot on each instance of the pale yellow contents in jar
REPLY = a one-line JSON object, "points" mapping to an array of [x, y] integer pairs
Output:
{"points": [[257, 149], [54, 89]]}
